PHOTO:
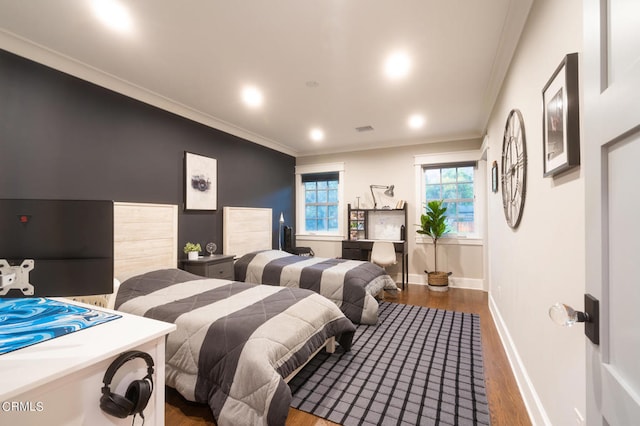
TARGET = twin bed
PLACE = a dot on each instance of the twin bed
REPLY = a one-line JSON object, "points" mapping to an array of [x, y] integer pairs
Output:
{"points": [[353, 285], [237, 341], [350, 284]]}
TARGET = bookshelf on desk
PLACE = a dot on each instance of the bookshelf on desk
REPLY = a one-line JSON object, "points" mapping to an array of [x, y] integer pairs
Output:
{"points": [[369, 225]]}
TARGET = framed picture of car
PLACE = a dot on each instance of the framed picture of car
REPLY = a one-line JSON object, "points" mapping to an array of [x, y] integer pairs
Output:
{"points": [[201, 183]]}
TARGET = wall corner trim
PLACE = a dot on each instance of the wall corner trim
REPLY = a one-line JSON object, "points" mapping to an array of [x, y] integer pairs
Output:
{"points": [[60, 62]]}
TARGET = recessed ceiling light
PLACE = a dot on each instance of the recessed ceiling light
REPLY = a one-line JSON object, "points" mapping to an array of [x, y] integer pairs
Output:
{"points": [[416, 121], [252, 96], [113, 14], [316, 135], [397, 65]]}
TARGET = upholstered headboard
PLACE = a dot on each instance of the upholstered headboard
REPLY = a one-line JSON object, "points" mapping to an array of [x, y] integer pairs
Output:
{"points": [[246, 229], [145, 238]]}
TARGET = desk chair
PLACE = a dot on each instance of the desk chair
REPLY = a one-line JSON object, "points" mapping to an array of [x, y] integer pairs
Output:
{"points": [[383, 253], [290, 245]]}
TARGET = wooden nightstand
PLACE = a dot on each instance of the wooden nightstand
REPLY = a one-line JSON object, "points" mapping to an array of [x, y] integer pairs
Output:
{"points": [[216, 266]]}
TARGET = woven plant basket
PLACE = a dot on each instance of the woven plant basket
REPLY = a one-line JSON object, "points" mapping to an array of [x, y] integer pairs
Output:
{"points": [[438, 281]]}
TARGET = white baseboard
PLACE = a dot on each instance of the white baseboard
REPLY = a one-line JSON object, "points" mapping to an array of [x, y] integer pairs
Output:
{"points": [[537, 413], [454, 282]]}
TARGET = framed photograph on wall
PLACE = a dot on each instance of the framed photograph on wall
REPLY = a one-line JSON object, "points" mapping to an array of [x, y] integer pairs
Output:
{"points": [[560, 118], [201, 183]]}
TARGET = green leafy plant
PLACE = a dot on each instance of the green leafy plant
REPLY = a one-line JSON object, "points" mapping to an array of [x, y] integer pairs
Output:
{"points": [[434, 224], [189, 247]]}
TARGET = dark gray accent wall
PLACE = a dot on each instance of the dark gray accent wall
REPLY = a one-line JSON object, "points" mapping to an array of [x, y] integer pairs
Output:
{"points": [[64, 138]]}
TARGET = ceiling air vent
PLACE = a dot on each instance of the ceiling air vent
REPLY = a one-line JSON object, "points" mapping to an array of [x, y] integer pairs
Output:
{"points": [[364, 128]]}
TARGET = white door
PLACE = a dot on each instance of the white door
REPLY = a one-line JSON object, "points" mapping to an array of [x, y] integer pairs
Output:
{"points": [[611, 166]]}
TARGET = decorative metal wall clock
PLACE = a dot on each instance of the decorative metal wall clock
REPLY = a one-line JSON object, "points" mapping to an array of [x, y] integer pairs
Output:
{"points": [[514, 168]]}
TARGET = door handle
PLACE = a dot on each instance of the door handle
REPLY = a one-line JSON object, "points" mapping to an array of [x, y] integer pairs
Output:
{"points": [[566, 316]]}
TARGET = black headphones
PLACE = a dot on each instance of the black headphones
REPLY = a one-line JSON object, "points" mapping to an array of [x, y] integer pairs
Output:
{"points": [[138, 393]]}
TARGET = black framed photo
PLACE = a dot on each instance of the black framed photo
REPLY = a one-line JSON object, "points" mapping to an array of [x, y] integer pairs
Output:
{"points": [[494, 177], [200, 175], [560, 118]]}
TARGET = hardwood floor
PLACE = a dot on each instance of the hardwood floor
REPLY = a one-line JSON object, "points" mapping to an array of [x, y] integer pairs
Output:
{"points": [[505, 403]]}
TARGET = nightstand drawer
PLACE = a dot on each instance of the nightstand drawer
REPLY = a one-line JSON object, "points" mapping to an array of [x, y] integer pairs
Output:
{"points": [[224, 271], [216, 266]]}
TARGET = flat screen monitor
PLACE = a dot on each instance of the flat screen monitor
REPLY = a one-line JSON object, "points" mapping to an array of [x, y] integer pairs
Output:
{"points": [[62, 247]]}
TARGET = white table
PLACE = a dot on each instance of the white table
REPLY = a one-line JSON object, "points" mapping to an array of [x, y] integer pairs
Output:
{"points": [[59, 381]]}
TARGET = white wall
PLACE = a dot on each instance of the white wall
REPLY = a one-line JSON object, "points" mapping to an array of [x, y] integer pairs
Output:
{"points": [[529, 268], [395, 166], [542, 261]]}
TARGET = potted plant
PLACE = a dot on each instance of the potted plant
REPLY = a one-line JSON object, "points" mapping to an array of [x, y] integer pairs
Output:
{"points": [[192, 250], [434, 224]]}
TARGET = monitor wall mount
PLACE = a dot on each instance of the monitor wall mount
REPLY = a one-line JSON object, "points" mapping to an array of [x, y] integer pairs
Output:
{"points": [[16, 277]]}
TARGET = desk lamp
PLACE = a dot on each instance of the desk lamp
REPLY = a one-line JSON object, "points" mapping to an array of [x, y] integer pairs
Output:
{"points": [[388, 192]]}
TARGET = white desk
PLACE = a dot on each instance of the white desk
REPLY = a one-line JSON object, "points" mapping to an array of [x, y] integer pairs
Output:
{"points": [[59, 381]]}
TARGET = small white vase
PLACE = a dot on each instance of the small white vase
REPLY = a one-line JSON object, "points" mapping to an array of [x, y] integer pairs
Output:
{"points": [[192, 255]]}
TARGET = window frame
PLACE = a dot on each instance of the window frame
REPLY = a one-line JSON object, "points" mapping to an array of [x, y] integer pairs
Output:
{"points": [[301, 202], [452, 159], [449, 200]]}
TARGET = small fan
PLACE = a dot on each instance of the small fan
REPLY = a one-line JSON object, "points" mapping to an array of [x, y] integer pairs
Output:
{"points": [[211, 248]]}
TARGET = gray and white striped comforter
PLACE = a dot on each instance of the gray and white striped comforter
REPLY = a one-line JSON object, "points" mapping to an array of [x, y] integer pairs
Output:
{"points": [[234, 341], [351, 284]]}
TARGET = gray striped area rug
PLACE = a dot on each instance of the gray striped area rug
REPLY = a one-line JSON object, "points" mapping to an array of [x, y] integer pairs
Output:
{"points": [[417, 366]]}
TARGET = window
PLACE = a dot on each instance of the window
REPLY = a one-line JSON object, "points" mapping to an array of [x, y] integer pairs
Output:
{"points": [[319, 200], [454, 184], [459, 179]]}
